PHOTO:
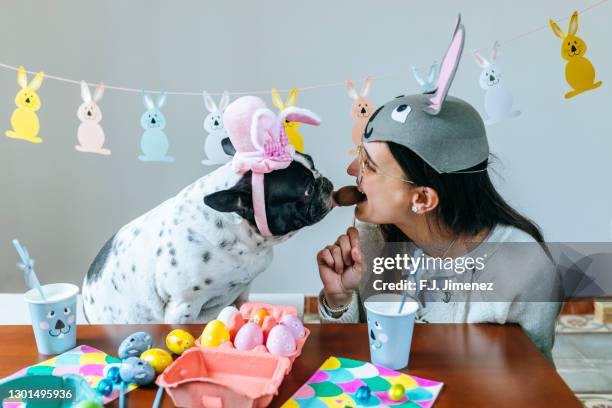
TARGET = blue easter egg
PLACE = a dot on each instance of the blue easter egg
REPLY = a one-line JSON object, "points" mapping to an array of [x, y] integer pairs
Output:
{"points": [[113, 375], [363, 393], [104, 387], [134, 345]]}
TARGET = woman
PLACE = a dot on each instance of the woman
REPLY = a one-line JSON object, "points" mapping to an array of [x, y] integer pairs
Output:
{"points": [[423, 171]]}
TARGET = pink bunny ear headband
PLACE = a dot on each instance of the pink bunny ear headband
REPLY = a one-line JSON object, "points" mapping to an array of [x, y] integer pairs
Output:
{"points": [[258, 135]]}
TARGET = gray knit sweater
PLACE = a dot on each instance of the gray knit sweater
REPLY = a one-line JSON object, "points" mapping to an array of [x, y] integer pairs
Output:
{"points": [[527, 280]]}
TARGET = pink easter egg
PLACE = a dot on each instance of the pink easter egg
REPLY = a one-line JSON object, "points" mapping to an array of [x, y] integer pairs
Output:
{"points": [[248, 337], [294, 324], [281, 341]]}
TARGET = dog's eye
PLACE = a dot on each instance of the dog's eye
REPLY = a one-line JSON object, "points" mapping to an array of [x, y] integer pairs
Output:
{"points": [[400, 114], [67, 310], [51, 314]]}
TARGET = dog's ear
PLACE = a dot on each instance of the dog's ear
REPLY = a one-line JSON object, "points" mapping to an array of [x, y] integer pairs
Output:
{"points": [[231, 200]]}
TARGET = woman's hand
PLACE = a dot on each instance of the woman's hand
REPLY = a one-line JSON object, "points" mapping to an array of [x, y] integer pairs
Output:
{"points": [[341, 268]]}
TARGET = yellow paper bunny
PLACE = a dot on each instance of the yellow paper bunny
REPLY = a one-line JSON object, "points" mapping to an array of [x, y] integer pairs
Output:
{"points": [[291, 128], [579, 72], [24, 119]]}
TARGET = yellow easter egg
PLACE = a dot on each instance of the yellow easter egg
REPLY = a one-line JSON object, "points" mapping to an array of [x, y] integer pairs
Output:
{"points": [[214, 334], [157, 358], [179, 340], [397, 392], [259, 316]]}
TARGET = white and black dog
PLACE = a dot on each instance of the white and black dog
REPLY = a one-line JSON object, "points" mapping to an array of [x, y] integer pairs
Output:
{"points": [[196, 253]]}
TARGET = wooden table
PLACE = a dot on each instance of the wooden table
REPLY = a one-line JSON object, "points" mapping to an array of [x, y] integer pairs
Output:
{"points": [[481, 365]]}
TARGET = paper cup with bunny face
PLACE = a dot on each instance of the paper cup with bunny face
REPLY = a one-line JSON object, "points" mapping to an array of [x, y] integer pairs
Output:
{"points": [[54, 320], [390, 332]]}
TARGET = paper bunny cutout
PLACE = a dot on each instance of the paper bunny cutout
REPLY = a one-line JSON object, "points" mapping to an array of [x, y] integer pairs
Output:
{"points": [[294, 136], [361, 110], [90, 134], [154, 142], [24, 120], [448, 69], [579, 72], [217, 140], [498, 99], [427, 85]]}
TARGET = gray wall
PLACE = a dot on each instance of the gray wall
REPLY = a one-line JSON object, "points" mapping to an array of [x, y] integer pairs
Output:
{"points": [[553, 160]]}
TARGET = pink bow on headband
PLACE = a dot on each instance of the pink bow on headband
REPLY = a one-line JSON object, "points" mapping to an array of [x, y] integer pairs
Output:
{"points": [[269, 149]]}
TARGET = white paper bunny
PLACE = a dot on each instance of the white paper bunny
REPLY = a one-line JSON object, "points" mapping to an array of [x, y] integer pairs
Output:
{"points": [[217, 141], [90, 133], [498, 99]]}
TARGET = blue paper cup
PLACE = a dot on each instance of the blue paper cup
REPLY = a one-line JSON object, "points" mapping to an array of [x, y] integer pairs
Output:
{"points": [[390, 332], [54, 320]]}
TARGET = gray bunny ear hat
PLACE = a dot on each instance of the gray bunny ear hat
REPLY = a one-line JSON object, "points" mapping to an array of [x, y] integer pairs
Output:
{"points": [[446, 132]]}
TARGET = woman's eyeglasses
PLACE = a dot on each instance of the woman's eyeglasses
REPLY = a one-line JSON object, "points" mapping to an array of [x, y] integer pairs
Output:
{"points": [[366, 167]]}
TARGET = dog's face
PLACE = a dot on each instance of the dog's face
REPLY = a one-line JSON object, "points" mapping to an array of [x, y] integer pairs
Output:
{"points": [[295, 197]]}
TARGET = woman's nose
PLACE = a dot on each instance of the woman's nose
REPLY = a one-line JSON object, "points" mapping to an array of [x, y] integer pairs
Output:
{"points": [[353, 168]]}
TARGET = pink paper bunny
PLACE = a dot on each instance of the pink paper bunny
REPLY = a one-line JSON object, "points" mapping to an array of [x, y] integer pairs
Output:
{"points": [[361, 110], [90, 133]]}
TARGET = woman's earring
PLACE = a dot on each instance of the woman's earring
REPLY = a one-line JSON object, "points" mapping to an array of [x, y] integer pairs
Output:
{"points": [[414, 208]]}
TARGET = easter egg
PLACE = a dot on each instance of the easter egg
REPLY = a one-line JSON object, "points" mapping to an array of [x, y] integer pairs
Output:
{"points": [[113, 375], [248, 337], [397, 392], [226, 313], [214, 334], [363, 394], [134, 345], [88, 404], [157, 358], [104, 387], [179, 340], [136, 370], [294, 324], [259, 316], [280, 341]]}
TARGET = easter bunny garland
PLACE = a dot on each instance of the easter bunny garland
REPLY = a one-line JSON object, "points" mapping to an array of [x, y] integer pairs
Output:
{"points": [[90, 133], [579, 72], [361, 110], [24, 119]]}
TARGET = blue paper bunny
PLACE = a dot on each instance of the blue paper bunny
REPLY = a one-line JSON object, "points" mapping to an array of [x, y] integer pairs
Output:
{"points": [[154, 142]]}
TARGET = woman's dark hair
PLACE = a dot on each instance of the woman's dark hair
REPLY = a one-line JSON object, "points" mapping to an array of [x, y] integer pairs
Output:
{"points": [[468, 202]]}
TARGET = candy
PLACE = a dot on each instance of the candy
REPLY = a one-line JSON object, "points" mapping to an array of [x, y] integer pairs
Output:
{"points": [[348, 195], [281, 341], [135, 344], [179, 340], [113, 375], [214, 334], [105, 386], [363, 394], [136, 370], [259, 316], [157, 358], [397, 392]]}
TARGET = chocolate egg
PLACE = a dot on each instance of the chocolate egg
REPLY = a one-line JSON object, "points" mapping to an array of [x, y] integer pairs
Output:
{"points": [[348, 195]]}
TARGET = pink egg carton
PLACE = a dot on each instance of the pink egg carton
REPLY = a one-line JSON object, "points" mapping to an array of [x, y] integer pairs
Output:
{"points": [[217, 377], [276, 314]]}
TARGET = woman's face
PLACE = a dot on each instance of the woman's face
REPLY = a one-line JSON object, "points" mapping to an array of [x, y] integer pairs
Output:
{"points": [[388, 197]]}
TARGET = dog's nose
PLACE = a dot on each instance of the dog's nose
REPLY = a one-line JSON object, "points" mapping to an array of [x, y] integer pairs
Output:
{"points": [[59, 325], [574, 48]]}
